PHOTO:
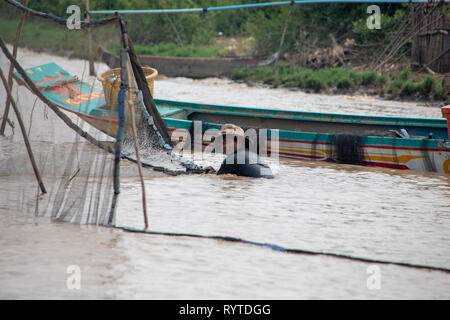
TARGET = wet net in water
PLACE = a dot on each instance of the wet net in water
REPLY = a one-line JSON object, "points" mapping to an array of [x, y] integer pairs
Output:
{"points": [[79, 128]]}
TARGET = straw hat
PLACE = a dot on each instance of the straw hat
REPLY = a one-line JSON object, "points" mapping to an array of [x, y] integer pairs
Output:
{"points": [[231, 129]]}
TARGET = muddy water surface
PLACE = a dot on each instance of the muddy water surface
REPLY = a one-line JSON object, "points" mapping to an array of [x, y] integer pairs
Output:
{"points": [[369, 212]]}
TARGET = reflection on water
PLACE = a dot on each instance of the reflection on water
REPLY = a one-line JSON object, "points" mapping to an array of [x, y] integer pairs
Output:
{"points": [[362, 211]]}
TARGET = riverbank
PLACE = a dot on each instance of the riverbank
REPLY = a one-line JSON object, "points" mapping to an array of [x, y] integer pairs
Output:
{"points": [[391, 85], [404, 86]]}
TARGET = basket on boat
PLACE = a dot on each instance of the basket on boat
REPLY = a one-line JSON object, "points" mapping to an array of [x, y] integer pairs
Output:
{"points": [[111, 84]]}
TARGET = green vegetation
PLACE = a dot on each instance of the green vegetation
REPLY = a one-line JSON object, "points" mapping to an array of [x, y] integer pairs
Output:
{"points": [[254, 32], [346, 80], [193, 28], [44, 35], [308, 23], [318, 81], [404, 85], [172, 50], [38, 34]]}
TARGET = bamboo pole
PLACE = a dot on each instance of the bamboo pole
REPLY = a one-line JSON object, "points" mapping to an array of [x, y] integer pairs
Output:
{"points": [[130, 104], [89, 34], [286, 23], [11, 69], [24, 133]]}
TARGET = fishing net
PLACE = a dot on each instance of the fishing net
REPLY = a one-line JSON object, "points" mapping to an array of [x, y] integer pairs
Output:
{"points": [[69, 136]]}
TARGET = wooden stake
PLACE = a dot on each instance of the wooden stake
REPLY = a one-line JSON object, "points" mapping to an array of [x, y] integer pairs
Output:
{"points": [[24, 133], [136, 142], [286, 23], [91, 58], [11, 69]]}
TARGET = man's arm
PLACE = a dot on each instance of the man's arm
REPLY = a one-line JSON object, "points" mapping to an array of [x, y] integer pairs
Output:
{"points": [[227, 168], [210, 170]]}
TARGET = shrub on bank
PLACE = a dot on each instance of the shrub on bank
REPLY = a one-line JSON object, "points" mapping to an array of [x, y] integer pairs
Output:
{"points": [[369, 78], [408, 88], [426, 86], [395, 87], [319, 80], [345, 80]]}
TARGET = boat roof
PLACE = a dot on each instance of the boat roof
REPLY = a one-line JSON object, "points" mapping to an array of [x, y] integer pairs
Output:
{"points": [[303, 115]]}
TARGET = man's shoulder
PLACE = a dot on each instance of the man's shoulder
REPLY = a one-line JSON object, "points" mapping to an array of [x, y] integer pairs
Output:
{"points": [[248, 156]]}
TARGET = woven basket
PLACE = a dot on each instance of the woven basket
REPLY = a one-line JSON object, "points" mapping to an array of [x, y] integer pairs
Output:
{"points": [[111, 84]]}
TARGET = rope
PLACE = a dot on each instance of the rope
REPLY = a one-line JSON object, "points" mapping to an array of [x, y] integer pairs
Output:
{"points": [[252, 5], [285, 250], [62, 83], [50, 16]]}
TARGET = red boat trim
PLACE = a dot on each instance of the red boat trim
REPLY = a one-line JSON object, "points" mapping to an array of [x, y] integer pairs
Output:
{"points": [[387, 165]]}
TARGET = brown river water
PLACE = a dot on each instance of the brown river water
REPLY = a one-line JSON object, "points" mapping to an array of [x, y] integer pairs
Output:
{"points": [[367, 212]]}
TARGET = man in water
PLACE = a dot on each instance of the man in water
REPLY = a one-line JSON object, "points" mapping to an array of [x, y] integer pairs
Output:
{"points": [[239, 159]]}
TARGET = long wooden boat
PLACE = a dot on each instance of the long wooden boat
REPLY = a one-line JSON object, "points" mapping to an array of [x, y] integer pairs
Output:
{"points": [[290, 134], [196, 68]]}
